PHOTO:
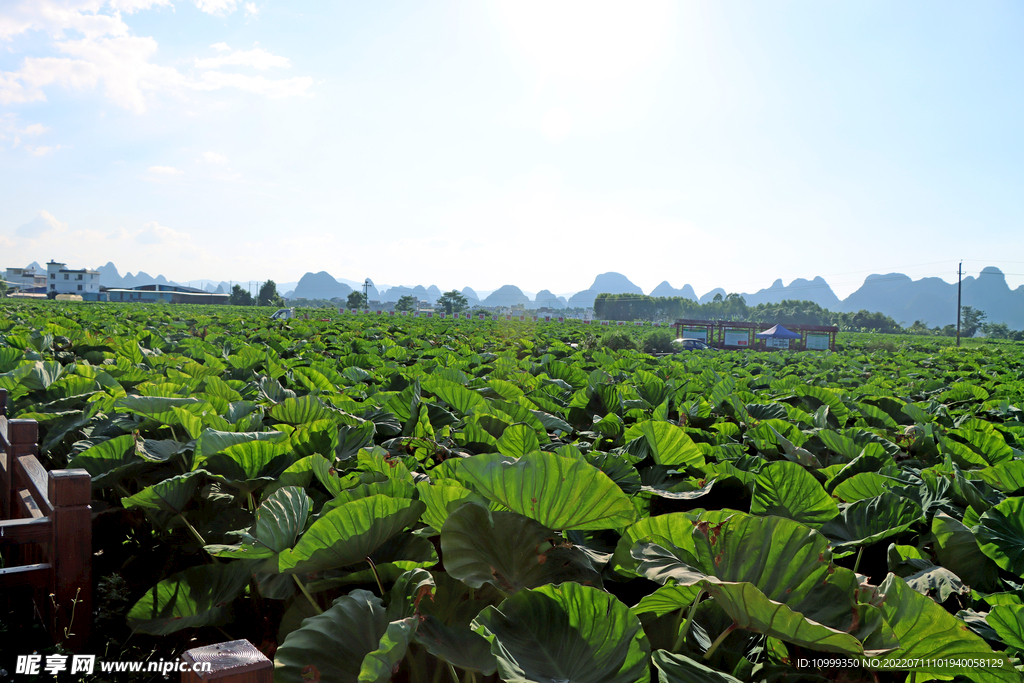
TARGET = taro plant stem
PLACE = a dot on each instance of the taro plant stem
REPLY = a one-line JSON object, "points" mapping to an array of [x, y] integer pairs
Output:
{"points": [[718, 641], [681, 638], [856, 565], [302, 587], [373, 568], [451, 669]]}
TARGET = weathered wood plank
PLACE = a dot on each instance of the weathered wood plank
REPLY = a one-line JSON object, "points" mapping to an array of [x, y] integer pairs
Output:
{"points": [[37, 575], [237, 661], [71, 548], [21, 531], [31, 475]]}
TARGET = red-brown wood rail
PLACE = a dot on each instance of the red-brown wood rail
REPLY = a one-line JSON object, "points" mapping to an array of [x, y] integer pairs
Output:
{"points": [[45, 532]]}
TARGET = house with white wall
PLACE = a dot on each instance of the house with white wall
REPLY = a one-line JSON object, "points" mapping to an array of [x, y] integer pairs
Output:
{"points": [[62, 280]]}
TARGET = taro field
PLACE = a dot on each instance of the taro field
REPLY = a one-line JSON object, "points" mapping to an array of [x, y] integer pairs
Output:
{"points": [[411, 500]]}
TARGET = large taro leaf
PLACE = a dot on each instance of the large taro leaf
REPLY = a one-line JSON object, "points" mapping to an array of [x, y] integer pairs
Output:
{"points": [[936, 639], [349, 534], [559, 492], [332, 646], [567, 632], [773, 576], [668, 444], [1000, 534], [510, 551], [199, 596], [518, 440], [1007, 477], [958, 550], [786, 489], [281, 518], [672, 529], [302, 409], [212, 441], [109, 461], [1008, 622], [442, 499], [444, 628], [251, 460], [872, 519], [681, 669], [169, 496], [392, 558]]}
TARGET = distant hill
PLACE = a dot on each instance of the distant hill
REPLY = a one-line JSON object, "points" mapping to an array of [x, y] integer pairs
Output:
{"points": [[605, 283], [666, 290], [816, 290], [508, 295], [320, 286], [930, 300]]}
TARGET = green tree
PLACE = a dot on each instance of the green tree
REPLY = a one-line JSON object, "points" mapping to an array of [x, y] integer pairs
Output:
{"points": [[997, 330], [239, 297], [453, 302], [3, 289], [971, 320], [406, 303], [268, 295], [356, 300]]}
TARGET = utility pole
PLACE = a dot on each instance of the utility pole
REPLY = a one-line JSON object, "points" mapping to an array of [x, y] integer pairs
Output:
{"points": [[959, 274], [366, 293]]}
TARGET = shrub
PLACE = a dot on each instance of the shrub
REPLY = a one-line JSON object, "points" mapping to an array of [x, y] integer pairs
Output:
{"points": [[658, 341], [618, 340]]}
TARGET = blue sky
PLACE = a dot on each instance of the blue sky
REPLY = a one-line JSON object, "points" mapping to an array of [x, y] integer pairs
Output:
{"points": [[535, 143]]}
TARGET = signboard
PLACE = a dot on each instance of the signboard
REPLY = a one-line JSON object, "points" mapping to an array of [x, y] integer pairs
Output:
{"points": [[737, 338], [696, 333], [777, 343], [817, 342]]}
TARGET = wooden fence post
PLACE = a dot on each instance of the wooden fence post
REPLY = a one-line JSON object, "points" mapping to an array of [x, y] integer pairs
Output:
{"points": [[237, 661], [5, 472], [70, 492]]}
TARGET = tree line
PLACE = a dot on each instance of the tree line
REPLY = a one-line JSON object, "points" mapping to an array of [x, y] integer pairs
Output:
{"points": [[789, 312]]}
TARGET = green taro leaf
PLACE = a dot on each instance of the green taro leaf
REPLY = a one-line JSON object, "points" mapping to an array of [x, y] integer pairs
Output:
{"points": [[1007, 477], [332, 646], [681, 669], [349, 534], [170, 495], [517, 441], [786, 489], [510, 551], [302, 409], [444, 498], [871, 520], [958, 550], [669, 444], [281, 518], [1008, 622], [928, 632], [567, 632], [559, 492], [862, 485], [199, 596], [110, 461], [1000, 534]]}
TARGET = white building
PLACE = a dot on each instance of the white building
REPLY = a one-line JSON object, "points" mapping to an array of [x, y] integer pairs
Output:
{"points": [[25, 278], [63, 281]]}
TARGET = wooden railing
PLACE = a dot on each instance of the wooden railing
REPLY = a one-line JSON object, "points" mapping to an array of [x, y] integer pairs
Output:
{"points": [[45, 532]]}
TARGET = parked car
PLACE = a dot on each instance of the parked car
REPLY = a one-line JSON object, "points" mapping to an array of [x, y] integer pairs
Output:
{"points": [[686, 344]]}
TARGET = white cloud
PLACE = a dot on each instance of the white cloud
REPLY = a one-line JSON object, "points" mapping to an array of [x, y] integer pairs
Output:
{"points": [[256, 58], [41, 151], [105, 55], [154, 233], [251, 9], [34, 129], [213, 158], [43, 224], [291, 87], [217, 7], [165, 170]]}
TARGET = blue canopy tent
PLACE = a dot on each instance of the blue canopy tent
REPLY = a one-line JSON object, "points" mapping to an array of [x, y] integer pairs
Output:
{"points": [[778, 332], [778, 337]]}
